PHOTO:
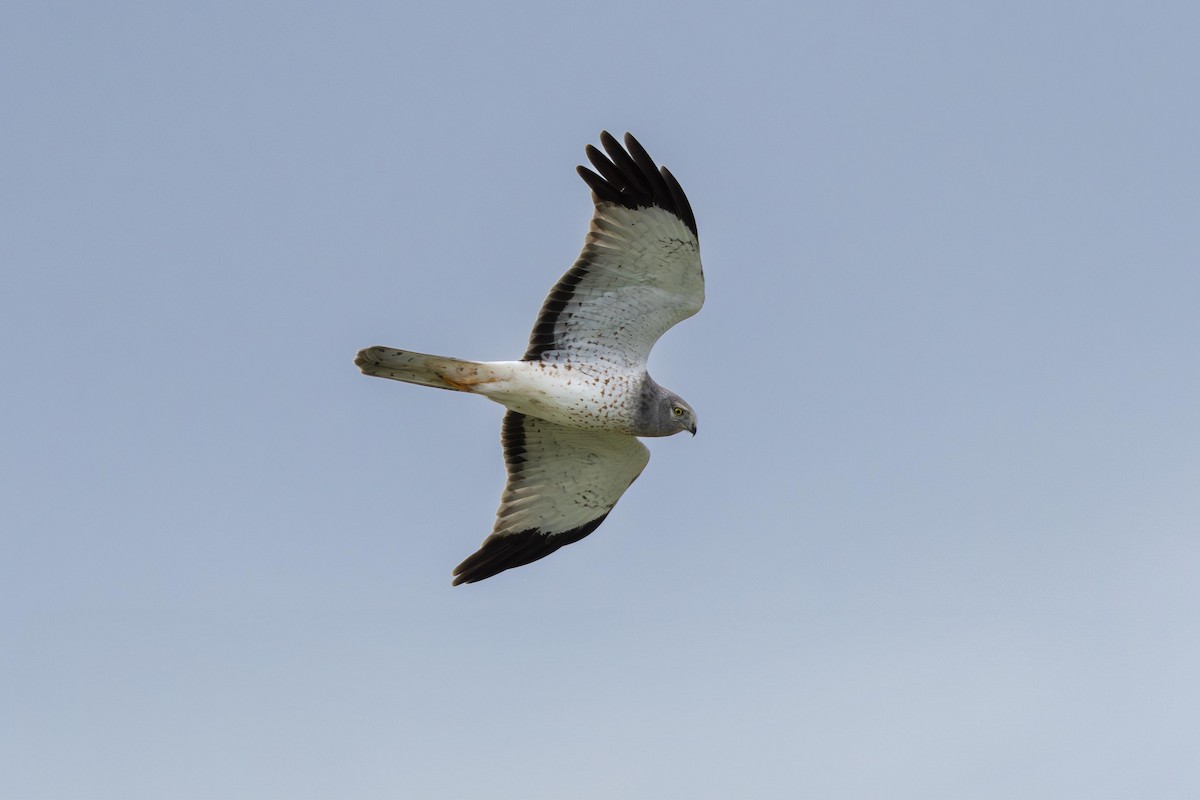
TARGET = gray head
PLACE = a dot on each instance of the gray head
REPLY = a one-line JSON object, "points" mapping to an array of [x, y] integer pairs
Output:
{"points": [[661, 412]]}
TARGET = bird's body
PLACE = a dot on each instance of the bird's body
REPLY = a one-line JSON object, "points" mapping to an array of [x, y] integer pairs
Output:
{"points": [[575, 396], [581, 395]]}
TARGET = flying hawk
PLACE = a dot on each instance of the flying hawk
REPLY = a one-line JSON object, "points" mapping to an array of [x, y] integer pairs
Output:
{"points": [[580, 396]]}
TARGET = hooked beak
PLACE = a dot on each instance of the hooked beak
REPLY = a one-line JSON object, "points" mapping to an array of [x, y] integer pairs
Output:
{"points": [[693, 429]]}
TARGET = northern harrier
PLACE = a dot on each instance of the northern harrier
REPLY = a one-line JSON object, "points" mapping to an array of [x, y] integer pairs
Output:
{"points": [[580, 396]]}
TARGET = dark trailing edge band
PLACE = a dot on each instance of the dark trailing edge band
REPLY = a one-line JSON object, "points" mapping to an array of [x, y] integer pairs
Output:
{"points": [[629, 179], [542, 337]]}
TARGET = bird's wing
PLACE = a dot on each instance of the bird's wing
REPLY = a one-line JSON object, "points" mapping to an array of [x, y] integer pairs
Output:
{"points": [[639, 272], [562, 482]]}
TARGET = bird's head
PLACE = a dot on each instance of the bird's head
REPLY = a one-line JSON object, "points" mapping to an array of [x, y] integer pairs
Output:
{"points": [[662, 413], [682, 415]]}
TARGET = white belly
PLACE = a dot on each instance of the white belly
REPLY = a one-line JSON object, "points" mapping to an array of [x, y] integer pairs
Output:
{"points": [[578, 397]]}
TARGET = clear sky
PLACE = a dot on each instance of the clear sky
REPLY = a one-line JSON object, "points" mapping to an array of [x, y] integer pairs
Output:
{"points": [[938, 537]]}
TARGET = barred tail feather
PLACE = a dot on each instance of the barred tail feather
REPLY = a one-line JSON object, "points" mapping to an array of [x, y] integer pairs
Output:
{"points": [[422, 369]]}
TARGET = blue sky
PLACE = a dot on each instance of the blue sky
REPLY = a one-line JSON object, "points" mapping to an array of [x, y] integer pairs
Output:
{"points": [[936, 538]]}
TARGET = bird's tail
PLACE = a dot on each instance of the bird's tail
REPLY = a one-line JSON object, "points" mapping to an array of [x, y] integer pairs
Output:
{"points": [[436, 371]]}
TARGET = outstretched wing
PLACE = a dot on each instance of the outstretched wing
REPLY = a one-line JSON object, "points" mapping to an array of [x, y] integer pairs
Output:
{"points": [[639, 272], [562, 482]]}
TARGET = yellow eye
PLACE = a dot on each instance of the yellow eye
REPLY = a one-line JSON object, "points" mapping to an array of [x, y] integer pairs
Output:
{"points": [[677, 411]]}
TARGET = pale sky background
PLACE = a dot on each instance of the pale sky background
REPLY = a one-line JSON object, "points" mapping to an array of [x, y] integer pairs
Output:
{"points": [[939, 536]]}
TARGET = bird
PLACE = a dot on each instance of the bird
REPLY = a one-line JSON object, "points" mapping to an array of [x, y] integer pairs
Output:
{"points": [[580, 396]]}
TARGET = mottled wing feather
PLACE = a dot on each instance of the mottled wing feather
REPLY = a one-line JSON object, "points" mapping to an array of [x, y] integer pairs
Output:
{"points": [[562, 482], [639, 272]]}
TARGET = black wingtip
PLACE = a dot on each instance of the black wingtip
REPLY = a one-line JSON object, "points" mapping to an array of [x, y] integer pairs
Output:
{"points": [[603, 190], [629, 177], [500, 553]]}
